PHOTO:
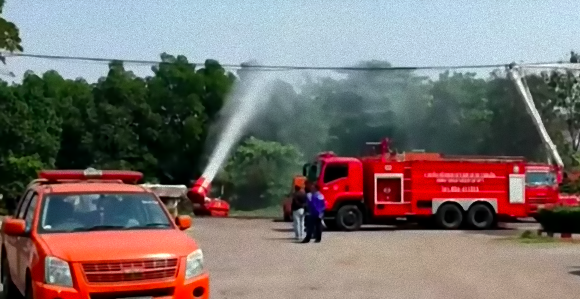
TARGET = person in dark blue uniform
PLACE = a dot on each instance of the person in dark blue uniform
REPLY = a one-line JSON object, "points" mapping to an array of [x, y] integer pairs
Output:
{"points": [[316, 206]]}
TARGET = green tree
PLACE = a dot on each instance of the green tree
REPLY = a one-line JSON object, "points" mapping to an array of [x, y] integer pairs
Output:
{"points": [[258, 173], [31, 130], [120, 115], [565, 104], [511, 130], [186, 102], [10, 34]]}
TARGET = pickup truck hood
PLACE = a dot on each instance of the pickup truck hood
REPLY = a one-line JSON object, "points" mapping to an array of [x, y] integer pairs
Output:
{"points": [[119, 245]]}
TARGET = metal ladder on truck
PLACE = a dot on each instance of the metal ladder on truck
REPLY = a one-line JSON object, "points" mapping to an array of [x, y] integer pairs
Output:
{"points": [[517, 75]]}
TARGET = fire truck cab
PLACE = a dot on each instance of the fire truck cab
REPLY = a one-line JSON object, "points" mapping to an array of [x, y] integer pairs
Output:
{"points": [[542, 182], [451, 191]]}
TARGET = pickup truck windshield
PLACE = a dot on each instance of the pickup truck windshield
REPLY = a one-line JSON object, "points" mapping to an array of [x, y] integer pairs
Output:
{"points": [[540, 179], [98, 211]]}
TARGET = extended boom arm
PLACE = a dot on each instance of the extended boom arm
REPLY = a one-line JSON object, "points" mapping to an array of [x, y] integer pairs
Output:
{"points": [[517, 75]]}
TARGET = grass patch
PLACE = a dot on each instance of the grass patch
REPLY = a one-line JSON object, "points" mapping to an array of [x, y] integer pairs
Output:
{"points": [[270, 212], [531, 237]]}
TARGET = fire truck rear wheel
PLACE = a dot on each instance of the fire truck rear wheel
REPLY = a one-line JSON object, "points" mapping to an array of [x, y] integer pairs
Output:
{"points": [[480, 216], [449, 216], [349, 218]]}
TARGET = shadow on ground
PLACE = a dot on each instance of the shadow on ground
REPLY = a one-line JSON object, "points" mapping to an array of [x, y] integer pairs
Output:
{"points": [[283, 230], [500, 231], [576, 271], [282, 239]]}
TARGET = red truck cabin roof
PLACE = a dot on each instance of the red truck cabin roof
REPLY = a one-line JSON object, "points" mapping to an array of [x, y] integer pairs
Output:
{"points": [[74, 181], [55, 176], [339, 159]]}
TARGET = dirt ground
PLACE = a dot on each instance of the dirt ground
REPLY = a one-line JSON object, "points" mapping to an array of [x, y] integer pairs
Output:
{"points": [[257, 259]]}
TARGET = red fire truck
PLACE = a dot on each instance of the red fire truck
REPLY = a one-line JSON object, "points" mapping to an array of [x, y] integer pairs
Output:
{"points": [[450, 191]]}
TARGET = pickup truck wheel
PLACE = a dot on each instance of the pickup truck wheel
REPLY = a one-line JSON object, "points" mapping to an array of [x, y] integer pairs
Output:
{"points": [[449, 216], [349, 218], [9, 289], [480, 216]]}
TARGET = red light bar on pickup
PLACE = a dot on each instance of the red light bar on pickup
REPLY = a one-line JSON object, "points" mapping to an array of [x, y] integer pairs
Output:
{"points": [[91, 173]]}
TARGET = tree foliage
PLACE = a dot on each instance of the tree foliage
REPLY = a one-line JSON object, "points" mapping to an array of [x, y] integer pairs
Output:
{"points": [[257, 175], [10, 39], [160, 124], [155, 124], [566, 102]]}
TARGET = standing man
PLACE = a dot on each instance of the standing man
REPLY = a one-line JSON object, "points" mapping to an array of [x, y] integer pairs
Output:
{"points": [[316, 207], [298, 205]]}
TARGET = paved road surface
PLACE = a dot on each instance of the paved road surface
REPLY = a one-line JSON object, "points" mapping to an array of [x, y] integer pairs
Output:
{"points": [[255, 259]]}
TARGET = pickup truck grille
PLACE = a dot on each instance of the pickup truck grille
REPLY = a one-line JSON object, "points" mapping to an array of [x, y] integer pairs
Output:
{"points": [[126, 271], [155, 293]]}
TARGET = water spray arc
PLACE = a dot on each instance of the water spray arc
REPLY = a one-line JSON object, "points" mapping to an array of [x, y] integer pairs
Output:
{"points": [[247, 99]]}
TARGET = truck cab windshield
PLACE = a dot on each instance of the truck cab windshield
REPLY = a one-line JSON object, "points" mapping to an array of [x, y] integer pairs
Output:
{"points": [[97, 211], [540, 179]]}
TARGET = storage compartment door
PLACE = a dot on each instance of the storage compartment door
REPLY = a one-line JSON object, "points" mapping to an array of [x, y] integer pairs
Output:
{"points": [[388, 188], [517, 187]]}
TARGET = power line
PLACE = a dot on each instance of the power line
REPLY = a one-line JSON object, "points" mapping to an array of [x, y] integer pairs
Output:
{"points": [[276, 67]]}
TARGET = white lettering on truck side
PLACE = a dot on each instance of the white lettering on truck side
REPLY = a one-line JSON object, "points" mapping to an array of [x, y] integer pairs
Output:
{"points": [[460, 177], [459, 189]]}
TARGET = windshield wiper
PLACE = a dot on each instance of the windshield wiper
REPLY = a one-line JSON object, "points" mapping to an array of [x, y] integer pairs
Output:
{"points": [[153, 225], [99, 227]]}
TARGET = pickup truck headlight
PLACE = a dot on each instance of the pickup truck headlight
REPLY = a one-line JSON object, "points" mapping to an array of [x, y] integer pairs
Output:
{"points": [[57, 272], [194, 264]]}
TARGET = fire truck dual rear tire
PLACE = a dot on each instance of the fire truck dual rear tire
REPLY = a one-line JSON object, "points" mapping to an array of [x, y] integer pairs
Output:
{"points": [[480, 216], [349, 218], [449, 216]]}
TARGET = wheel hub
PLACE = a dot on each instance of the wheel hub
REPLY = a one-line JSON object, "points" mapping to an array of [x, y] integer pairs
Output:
{"points": [[450, 217], [480, 216], [349, 218]]}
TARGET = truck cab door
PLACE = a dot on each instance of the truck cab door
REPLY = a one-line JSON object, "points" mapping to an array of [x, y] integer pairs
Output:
{"points": [[24, 244], [334, 181], [13, 243]]}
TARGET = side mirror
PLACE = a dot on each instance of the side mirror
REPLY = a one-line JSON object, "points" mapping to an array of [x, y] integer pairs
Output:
{"points": [[183, 222], [14, 227]]}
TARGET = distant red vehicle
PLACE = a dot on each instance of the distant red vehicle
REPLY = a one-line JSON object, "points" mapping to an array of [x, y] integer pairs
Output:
{"points": [[214, 207], [450, 191], [542, 182], [543, 189], [203, 204]]}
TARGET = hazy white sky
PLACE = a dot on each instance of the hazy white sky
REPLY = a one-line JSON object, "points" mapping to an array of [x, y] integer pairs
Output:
{"points": [[315, 32]]}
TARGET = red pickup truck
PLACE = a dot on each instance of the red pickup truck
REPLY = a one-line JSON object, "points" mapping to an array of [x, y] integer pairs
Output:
{"points": [[96, 234]]}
